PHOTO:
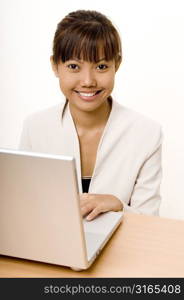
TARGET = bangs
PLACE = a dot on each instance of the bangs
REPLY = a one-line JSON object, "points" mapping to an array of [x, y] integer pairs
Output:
{"points": [[89, 43]]}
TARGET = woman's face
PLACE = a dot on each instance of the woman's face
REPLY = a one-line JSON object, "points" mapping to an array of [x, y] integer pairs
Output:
{"points": [[86, 85]]}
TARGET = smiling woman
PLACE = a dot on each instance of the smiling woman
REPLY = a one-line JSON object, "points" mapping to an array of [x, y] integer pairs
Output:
{"points": [[117, 150], [86, 85], [86, 54]]}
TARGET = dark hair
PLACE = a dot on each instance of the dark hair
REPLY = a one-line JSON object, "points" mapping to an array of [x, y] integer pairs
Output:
{"points": [[86, 34]]}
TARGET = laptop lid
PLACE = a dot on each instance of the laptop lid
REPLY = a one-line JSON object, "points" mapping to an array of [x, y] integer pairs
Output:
{"points": [[40, 216]]}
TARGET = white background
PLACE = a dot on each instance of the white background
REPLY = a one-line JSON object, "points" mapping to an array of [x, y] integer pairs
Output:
{"points": [[150, 80]]}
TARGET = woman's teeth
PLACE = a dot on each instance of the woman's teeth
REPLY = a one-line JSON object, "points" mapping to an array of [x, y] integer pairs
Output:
{"points": [[87, 94], [82, 94]]}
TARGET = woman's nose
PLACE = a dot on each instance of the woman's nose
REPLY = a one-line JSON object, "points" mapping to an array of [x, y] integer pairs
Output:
{"points": [[88, 78]]}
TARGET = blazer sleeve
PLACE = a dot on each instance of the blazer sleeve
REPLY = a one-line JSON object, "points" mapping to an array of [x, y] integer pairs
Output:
{"points": [[145, 198]]}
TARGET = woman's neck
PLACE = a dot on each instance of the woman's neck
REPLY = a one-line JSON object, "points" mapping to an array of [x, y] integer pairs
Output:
{"points": [[94, 120]]}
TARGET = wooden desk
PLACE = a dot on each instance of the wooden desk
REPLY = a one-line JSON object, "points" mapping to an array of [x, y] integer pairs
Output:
{"points": [[143, 246]]}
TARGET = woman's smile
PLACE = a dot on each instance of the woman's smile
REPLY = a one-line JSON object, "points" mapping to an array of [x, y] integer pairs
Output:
{"points": [[88, 95]]}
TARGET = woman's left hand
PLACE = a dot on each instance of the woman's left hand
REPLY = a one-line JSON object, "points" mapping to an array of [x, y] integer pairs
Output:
{"points": [[94, 204]]}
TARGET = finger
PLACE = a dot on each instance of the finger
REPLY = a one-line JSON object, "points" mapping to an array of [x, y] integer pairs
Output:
{"points": [[86, 203], [86, 209], [86, 198], [95, 212]]}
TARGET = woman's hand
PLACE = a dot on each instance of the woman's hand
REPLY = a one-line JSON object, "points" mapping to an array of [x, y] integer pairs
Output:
{"points": [[94, 204]]}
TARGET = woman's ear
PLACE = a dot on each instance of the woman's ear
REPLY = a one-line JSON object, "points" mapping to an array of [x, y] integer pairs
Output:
{"points": [[54, 66]]}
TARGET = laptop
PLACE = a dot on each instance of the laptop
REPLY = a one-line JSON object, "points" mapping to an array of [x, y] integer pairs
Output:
{"points": [[40, 215]]}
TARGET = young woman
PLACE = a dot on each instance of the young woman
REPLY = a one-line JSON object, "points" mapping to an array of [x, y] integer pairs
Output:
{"points": [[117, 150]]}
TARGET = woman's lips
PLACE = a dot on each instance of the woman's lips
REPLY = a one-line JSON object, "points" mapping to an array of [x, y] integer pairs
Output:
{"points": [[88, 95]]}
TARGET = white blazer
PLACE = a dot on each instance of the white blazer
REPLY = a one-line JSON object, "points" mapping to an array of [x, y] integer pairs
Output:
{"points": [[128, 161]]}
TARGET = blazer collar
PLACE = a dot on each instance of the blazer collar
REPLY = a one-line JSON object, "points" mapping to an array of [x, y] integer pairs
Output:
{"points": [[71, 145]]}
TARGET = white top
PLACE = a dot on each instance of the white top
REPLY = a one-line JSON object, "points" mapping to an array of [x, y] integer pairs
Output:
{"points": [[128, 161]]}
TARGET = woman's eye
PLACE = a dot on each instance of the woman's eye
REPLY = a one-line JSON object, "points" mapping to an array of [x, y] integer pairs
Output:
{"points": [[102, 67], [73, 67]]}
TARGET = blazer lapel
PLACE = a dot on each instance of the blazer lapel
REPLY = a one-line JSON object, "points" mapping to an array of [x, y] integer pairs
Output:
{"points": [[71, 142], [105, 148], [70, 146]]}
